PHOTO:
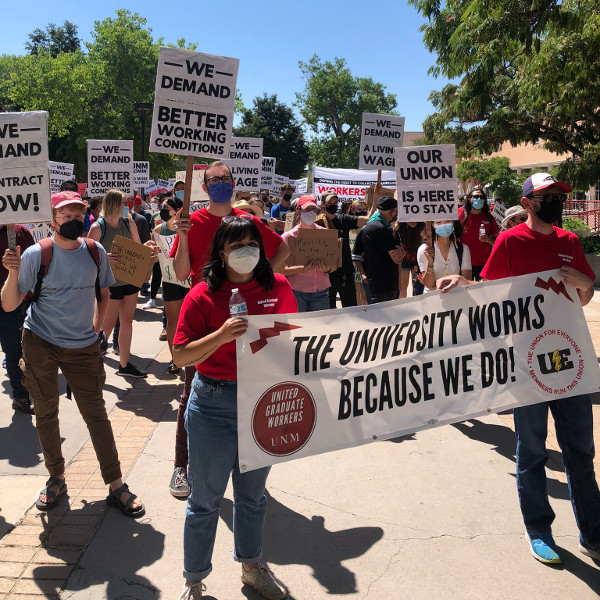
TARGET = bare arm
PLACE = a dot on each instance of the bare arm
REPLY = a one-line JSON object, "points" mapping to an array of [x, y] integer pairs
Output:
{"points": [[181, 261], [11, 297], [101, 308], [278, 258], [582, 283]]}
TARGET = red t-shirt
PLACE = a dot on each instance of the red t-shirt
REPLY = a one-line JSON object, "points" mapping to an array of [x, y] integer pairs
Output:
{"points": [[201, 235], [520, 251], [204, 311], [479, 250]]}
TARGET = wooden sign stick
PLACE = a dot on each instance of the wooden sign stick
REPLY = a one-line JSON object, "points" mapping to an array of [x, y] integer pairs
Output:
{"points": [[187, 188]]}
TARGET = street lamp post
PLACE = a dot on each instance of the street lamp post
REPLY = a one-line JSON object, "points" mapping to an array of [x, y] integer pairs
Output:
{"points": [[143, 109]]}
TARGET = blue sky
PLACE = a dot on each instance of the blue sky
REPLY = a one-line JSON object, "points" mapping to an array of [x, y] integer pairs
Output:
{"points": [[269, 37]]}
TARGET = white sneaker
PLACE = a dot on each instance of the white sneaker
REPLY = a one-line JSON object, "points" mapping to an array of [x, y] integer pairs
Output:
{"points": [[192, 590], [261, 579], [150, 304]]}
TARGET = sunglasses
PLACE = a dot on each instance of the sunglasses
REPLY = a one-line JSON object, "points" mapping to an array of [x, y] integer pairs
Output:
{"points": [[519, 219], [550, 198]]}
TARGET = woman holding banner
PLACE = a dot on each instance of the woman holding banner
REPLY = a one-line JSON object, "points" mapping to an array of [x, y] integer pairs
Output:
{"points": [[205, 337]]}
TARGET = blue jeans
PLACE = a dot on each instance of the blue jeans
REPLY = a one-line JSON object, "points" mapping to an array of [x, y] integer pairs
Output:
{"points": [[10, 340], [311, 301], [574, 432], [211, 423]]}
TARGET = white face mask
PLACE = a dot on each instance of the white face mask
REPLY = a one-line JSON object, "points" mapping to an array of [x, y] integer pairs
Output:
{"points": [[308, 217], [243, 260]]}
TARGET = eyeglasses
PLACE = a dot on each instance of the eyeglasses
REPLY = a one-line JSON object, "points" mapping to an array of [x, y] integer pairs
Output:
{"points": [[224, 179], [550, 198]]}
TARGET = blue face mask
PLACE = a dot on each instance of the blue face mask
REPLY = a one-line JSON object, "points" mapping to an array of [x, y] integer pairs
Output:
{"points": [[125, 211], [220, 192], [179, 195], [445, 230], [477, 202]]}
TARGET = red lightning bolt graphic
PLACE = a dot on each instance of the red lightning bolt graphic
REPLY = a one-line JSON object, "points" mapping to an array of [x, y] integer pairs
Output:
{"points": [[557, 287], [268, 332]]}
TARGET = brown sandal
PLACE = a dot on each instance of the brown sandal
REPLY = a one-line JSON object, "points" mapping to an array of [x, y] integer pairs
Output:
{"points": [[173, 369]]}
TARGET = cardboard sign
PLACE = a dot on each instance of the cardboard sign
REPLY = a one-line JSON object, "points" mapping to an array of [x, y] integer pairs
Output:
{"points": [[348, 184], [24, 176], [426, 183], [135, 261], [290, 220], [379, 135], [245, 162], [165, 244], [498, 212], [110, 166], [59, 172], [344, 377], [198, 194], [193, 104], [268, 170], [315, 243], [141, 174]]}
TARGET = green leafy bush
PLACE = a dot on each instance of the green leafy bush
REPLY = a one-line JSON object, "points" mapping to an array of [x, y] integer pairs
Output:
{"points": [[574, 224], [591, 245]]}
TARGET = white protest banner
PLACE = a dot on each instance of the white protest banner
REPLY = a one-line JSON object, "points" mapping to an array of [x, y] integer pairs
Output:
{"points": [[59, 172], [198, 194], [379, 135], [426, 183], [499, 211], [268, 170], [348, 184], [141, 174], [316, 382], [110, 166], [245, 163], [193, 103], [24, 176], [165, 243]]}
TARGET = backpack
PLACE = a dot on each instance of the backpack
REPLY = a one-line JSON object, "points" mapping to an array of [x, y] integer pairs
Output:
{"points": [[46, 259], [102, 224]]}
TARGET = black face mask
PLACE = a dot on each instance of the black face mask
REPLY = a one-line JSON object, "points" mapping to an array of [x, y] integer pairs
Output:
{"points": [[287, 197], [331, 209], [165, 215], [550, 212], [71, 230], [360, 213]]}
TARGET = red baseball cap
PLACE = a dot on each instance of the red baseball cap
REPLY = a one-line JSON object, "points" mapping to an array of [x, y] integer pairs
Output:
{"points": [[307, 200], [64, 198]]}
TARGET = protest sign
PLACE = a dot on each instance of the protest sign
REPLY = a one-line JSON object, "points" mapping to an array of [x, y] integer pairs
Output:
{"points": [[141, 174], [426, 183], [290, 220], [135, 261], [278, 181], [110, 166], [163, 183], [348, 184], [301, 185], [309, 244], [379, 135], [193, 104], [268, 170], [39, 231], [165, 243], [245, 163], [24, 176], [314, 382], [81, 188], [59, 172], [499, 211], [197, 194]]}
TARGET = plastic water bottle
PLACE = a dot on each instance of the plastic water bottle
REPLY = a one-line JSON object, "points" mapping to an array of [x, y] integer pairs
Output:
{"points": [[237, 304], [482, 229]]}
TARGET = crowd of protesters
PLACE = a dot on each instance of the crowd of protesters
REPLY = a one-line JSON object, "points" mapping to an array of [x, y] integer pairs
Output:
{"points": [[241, 241]]}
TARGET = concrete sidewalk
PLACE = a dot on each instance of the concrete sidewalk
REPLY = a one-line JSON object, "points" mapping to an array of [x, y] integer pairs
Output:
{"points": [[432, 515]]}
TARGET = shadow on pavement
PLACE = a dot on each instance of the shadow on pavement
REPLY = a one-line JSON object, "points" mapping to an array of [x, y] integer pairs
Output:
{"points": [[502, 439], [292, 539], [5, 526], [19, 442], [411, 437], [582, 570]]}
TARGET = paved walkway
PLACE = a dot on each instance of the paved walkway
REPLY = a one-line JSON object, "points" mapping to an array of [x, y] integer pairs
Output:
{"points": [[427, 515]]}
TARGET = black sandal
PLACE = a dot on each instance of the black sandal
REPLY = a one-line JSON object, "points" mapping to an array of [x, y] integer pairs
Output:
{"points": [[114, 499], [173, 369], [52, 482]]}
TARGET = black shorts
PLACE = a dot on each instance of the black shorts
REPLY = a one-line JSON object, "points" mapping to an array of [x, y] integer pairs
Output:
{"points": [[173, 292], [408, 264], [118, 292]]}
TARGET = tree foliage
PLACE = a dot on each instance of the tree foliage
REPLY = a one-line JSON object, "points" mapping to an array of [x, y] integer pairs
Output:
{"points": [[54, 40], [282, 135], [527, 71], [494, 171], [332, 105]]}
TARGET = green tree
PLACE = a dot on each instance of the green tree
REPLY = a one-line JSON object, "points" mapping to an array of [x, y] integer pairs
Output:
{"points": [[332, 105], [54, 39], [282, 135], [497, 173], [526, 70]]}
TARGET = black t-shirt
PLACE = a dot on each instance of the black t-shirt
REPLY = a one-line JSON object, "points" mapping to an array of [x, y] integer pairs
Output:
{"points": [[374, 242], [344, 224]]}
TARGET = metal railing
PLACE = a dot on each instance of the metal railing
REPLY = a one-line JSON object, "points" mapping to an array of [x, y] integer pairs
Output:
{"points": [[586, 210]]}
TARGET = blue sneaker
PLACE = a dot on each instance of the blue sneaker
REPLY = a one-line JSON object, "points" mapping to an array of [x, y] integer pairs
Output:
{"points": [[589, 549], [542, 547]]}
